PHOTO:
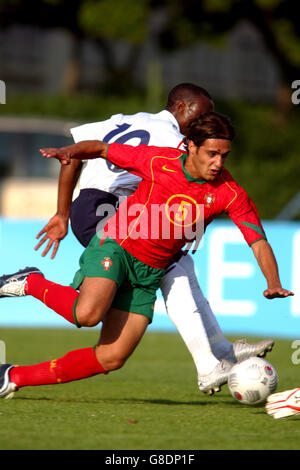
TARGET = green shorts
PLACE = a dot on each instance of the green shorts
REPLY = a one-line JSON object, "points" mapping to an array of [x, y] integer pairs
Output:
{"points": [[137, 282]]}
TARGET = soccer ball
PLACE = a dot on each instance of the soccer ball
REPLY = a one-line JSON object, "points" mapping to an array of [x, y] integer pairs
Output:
{"points": [[251, 381]]}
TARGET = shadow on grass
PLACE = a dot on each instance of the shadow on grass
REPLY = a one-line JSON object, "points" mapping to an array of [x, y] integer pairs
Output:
{"points": [[159, 401], [120, 401]]}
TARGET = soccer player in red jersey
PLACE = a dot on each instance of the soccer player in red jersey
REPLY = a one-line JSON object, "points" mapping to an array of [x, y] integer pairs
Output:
{"points": [[120, 270]]}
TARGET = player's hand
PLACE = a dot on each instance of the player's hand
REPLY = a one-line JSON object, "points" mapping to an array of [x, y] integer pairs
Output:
{"points": [[277, 292], [284, 404], [63, 154], [55, 230]]}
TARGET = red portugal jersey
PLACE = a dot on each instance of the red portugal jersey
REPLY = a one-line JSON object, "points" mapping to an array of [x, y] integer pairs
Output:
{"points": [[170, 207]]}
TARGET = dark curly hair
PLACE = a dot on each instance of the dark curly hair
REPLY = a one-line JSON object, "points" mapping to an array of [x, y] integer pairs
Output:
{"points": [[210, 125], [185, 91]]}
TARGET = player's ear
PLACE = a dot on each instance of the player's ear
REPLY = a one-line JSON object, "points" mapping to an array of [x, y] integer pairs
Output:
{"points": [[181, 106], [191, 146]]}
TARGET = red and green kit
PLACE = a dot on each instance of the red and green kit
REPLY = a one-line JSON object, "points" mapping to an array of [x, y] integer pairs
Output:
{"points": [[170, 206]]}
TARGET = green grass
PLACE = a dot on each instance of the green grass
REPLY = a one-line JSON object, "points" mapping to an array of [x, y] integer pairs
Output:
{"points": [[152, 403]]}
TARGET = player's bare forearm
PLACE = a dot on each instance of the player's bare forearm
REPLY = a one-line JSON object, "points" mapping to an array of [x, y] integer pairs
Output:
{"points": [[68, 178], [267, 262], [57, 227], [87, 149]]}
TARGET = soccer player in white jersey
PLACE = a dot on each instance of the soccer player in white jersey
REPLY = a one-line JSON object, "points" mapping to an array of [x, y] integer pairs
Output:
{"points": [[102, 185]]}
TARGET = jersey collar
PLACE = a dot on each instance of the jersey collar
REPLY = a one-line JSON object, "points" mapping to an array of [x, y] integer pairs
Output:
{"points": [[166, 115], [190, 178]]}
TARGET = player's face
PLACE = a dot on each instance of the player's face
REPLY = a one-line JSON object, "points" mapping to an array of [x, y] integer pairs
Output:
{"points": [[192, 110], [207, 161]]}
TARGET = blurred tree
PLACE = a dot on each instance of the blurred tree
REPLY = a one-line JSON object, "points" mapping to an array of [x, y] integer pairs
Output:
{"points": [[276, 20], [108, 22], [167, 23], [49, 14], [103, 21]]}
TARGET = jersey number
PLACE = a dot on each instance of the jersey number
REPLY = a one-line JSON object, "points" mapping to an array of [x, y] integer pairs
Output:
{"points": [[182, 212], [141, 134]]}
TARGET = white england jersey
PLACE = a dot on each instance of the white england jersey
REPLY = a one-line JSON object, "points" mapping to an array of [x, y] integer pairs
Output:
{"points": [[159, 129]]}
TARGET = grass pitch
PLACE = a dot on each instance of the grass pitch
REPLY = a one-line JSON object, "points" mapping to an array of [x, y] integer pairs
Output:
{"points": [[152, 403]]}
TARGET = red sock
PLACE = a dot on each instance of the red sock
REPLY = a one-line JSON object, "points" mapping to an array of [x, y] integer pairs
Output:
{"points": [[75, 365], [59, 298]]}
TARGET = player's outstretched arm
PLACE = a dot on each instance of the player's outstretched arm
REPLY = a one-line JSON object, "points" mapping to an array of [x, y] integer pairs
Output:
{"points": [[87, 149], [266, 260], [57, 227], [284, 404]]}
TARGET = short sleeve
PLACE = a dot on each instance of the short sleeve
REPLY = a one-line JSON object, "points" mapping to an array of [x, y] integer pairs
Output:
{"points": [[244, 214], [86, 132], [95, 130]]}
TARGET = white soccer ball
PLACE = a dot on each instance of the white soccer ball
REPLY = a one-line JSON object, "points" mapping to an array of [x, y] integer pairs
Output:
{"points": [[251, 381]]}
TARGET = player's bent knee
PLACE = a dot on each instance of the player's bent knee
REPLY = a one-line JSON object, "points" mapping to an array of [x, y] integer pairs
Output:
{"points": [[111, 362], [88, 317]]}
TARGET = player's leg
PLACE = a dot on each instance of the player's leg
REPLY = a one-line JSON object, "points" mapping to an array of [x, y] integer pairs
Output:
{"points": [[221, 347], [121, 330], [75, 365], [212, 373], [183, 312], [84, 308], [95, 298], [30, 281], [120, 334], [102, 268]]}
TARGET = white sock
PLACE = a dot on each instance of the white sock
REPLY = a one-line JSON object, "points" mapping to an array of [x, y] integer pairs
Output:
{"points": [[183, 312], [219, 344]]}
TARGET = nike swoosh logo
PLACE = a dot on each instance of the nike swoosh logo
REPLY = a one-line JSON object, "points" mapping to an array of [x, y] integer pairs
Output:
{"points": [[168, 169]]}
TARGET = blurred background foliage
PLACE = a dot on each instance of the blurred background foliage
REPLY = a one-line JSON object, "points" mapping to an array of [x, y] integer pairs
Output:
{"points": [[180, 23], [265, 156]]}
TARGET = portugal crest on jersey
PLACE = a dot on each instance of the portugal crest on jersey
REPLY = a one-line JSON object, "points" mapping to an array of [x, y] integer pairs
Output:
{"points": [[209, 199], [107, 263]]}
